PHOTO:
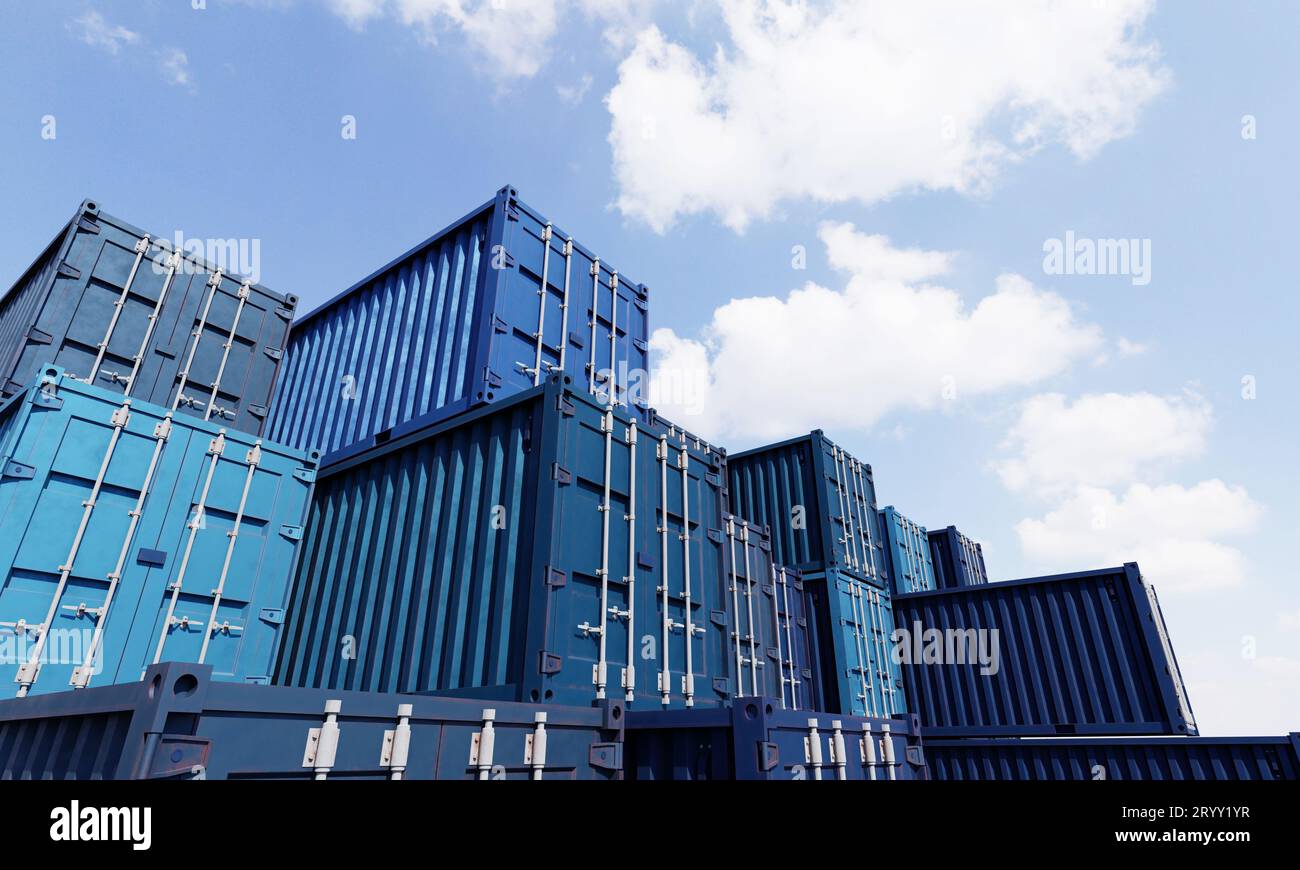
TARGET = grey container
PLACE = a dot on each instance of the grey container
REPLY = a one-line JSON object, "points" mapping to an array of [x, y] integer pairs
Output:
{"points": [[1078, 654], [178, 723], [123, 310]]}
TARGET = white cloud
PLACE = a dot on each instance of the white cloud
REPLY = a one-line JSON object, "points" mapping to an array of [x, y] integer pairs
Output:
{"points": [[1127, 347], [930, 95], [842, 359], [95, 31], [1174, 532], [175, 67], [1100, 440], [1289, 620], [1232, 695], [574, 94]]}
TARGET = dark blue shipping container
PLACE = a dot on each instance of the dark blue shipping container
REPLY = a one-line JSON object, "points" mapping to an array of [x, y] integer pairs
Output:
{"points": [[131, 535], [908, 546], [819, 502], [1138, 758], [756, 741], [958, 561], [1085, 653], [543, 548], [851, 624], [484, 309], [123, 310], [178, 723]]}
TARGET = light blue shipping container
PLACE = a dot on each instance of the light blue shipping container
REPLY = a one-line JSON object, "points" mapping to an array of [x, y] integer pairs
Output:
{"points": [[130, 535], [484, 309], [908, 546]]}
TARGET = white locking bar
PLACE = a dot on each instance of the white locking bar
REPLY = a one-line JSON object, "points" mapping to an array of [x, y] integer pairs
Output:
{"points": [[860, 645], [869, 752], [868, 517], [483, 745], [613, 340], [595, 305], [813, 745], [607, 427], [183, 376], [541, 302], [564, 306], [141, 248], [789, 639], [629, 673], [842, 481], [749, 606], [887, 745], [28, 671], [254, 459], [665, 680], [535, 746], [735, 602], [81, 675], [864, 557], [839, 494], [245, 290], [172, 263], [323, 742], [886, 678], [688, 681], [215, 449], [838, 751], [397, 743]]}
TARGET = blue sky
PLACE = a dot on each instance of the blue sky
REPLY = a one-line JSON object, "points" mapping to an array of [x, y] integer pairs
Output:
{"points": [[1068, 422]]}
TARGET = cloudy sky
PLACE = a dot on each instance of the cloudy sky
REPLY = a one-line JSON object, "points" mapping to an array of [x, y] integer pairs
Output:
{"points": [[872, 218]]}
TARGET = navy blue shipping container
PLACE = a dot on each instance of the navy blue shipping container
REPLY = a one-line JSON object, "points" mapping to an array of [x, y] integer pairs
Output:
{"points": [[124, 310], [131, 535], [908, 546], [1085, 653], [484, 309], [179, 723], [819, 502], [756, 741], [851, 624], [1137, 758], [958, 561], [543, 548]]}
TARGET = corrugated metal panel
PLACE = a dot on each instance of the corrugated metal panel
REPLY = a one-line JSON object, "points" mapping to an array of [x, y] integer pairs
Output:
{"points": [[819, 502], [543, 548], [121, 309], [178, 723], [460, 320], [958, 561], [908, 546], [854, 629], [1083, 653], [754, 740], [1142, 758], [129, 535]]}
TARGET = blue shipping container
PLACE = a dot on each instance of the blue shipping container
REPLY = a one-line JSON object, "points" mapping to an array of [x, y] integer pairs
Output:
{"points": [[908, 547], [819, 502], [484, 309], [544, 548], [130, 535], [958, 561], [1138, 758], [124, 310], [1085, 653], [756, 741], [852, 625], [178, 723]]}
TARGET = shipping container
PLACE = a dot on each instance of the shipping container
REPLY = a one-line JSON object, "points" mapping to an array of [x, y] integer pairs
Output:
{"points": [[482, 310], [130, 535], [819, 502], [127, 311], [179, 723], [1133, 758], [1085, 653], [543, 548], [958, 561], [852, 625], [756, 741], [908, 549]]}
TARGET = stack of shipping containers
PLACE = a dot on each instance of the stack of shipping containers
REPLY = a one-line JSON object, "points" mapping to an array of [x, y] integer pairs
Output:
{"points": [[438, 517]]}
